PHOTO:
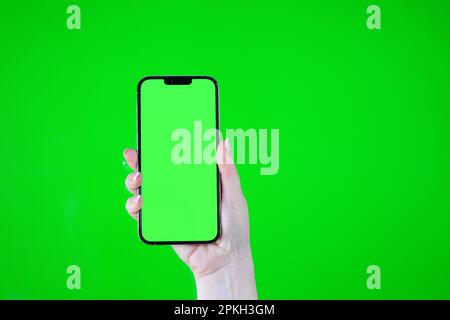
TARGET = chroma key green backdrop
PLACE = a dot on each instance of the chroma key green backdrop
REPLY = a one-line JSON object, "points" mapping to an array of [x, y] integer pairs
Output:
{"points": [[364, 120]]}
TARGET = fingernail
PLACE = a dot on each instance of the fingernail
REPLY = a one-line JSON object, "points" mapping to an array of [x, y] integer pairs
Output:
{"points": [[138, 198], [136, 176], [227, 147]]}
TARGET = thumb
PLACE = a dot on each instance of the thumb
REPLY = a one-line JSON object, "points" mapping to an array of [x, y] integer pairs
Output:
{"points": [[231, 185]]}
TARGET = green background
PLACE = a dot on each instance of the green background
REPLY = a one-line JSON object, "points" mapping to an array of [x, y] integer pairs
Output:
{"points": [[364, 143], [183, 198]]}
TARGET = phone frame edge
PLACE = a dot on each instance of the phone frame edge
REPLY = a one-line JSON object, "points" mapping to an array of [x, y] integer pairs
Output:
{"points": [[138, 166]]}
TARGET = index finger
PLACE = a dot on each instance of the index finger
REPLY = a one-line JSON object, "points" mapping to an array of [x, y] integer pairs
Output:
{"points": [[131, 158]]}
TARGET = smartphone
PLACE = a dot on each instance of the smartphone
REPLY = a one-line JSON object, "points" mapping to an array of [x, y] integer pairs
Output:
{"points": [[181, 187]]}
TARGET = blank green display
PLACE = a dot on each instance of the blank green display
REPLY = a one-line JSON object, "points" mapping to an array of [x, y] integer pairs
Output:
{"points": [[180, 197]]}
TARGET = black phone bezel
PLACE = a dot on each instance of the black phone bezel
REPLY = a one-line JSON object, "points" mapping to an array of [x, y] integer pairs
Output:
{"points": [[138, 168]]}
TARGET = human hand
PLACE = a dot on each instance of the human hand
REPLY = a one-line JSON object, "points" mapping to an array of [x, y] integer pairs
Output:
{"points": [[223, 269]]}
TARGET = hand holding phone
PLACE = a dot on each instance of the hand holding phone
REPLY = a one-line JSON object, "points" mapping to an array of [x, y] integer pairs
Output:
{"points": [[223, 269]]}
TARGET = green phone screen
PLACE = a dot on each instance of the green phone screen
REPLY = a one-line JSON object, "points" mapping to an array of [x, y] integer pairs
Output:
{"points": [[177, 140]]}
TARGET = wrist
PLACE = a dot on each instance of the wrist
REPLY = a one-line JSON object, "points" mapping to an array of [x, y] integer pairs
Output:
{"points": [[235, 280]]}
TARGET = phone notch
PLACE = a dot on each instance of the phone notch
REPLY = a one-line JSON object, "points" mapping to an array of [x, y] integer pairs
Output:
{"points": [[183, 81]]}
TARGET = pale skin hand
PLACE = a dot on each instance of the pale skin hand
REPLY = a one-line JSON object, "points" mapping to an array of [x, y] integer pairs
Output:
{"points": [[224, 269]]}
